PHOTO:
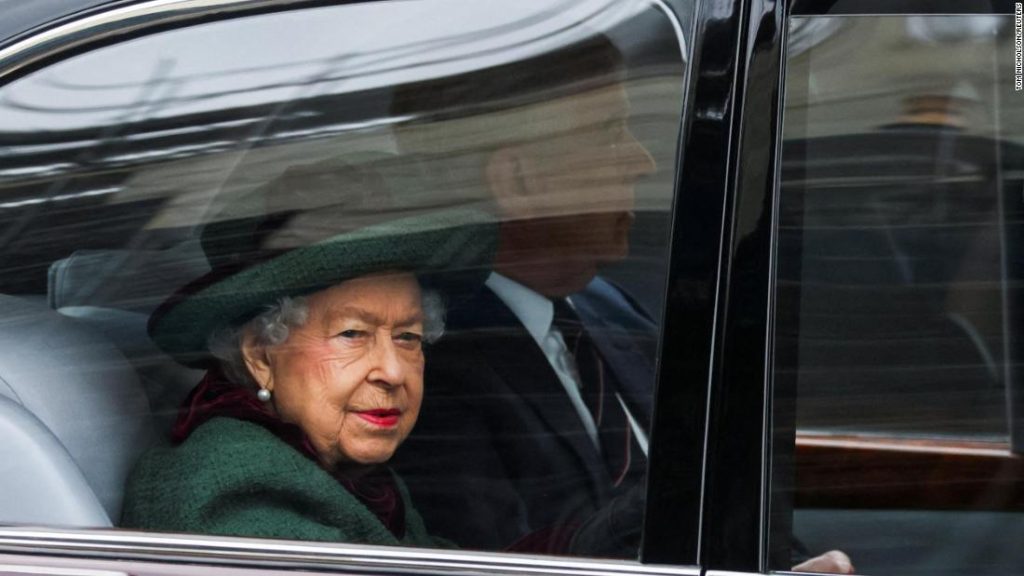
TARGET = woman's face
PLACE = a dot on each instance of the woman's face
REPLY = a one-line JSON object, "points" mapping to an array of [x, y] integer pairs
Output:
{"points": [[352, 376]]}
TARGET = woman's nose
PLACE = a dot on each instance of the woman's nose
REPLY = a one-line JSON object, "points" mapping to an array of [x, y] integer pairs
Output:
{"points": [[388, 369]]}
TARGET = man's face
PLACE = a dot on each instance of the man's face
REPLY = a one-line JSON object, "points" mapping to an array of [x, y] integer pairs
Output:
{"points": [[579, 183]]}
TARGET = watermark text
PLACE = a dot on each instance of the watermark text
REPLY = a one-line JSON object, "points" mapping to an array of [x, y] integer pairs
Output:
{"points": [[1018, 41]]}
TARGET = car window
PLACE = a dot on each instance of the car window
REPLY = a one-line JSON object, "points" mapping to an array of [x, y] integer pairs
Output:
{"points": [[461, 207], [897, 284]]}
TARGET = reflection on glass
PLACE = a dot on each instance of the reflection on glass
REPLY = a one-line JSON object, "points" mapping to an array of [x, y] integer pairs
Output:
{"points": [[895, 361], [890, 205]]}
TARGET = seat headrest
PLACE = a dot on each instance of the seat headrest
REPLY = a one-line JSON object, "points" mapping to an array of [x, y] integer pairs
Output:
{"points": [[137, 280]]}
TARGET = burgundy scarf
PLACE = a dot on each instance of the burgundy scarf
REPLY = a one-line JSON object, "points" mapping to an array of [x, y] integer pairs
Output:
{"points": [[215, 396]]}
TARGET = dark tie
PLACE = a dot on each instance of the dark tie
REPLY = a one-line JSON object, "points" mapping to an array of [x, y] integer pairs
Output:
{"points": [[622, 454]]}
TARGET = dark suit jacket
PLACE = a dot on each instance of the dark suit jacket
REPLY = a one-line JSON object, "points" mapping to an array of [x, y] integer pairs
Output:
{"points": [[499, 451]]}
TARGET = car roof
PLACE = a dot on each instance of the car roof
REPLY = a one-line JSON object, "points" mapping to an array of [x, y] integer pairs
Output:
{"points": [[22, 16]]}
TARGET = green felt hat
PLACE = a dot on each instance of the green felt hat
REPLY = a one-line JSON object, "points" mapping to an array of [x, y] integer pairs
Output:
{"points": [[312, 228]]}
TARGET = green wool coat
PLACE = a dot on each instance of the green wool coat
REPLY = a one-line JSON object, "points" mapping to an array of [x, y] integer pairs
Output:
{"points": [[236, 478]]}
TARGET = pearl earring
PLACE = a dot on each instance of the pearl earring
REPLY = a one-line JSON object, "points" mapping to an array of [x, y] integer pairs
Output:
{"points": [[263, 395]]}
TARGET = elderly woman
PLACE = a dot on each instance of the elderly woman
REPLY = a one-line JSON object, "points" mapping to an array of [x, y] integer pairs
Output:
{"points": [[313, 340]]}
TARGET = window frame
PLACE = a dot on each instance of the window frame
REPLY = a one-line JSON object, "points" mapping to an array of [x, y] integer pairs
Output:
{"points": [[735, 506], [678, 434]]}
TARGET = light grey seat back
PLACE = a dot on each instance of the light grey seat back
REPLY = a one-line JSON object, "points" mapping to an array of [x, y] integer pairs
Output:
{"points": [[39, 481], [165, 382], [82, 390]]}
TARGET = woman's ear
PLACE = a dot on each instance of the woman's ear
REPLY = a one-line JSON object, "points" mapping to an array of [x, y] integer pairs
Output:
{"points": [[257, 361], [511, 179]]}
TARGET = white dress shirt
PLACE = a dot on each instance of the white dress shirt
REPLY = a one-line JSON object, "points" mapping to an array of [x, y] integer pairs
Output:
{"points": [[537, 313]]}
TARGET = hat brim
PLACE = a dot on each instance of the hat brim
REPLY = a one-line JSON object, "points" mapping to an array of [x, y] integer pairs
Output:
{"points": [[451, 251]]}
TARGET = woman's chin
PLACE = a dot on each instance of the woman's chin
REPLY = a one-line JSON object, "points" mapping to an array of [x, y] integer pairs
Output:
{"points": [[374, 459], [372, 453]]}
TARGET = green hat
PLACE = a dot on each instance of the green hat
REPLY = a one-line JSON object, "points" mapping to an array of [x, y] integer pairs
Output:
{"points": [[313, 227]]}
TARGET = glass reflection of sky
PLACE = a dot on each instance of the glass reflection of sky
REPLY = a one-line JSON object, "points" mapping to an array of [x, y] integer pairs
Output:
{"points": [[338, 49]]}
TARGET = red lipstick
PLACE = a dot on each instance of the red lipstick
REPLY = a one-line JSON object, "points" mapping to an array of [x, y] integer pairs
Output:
{"points": [[383, 417]]}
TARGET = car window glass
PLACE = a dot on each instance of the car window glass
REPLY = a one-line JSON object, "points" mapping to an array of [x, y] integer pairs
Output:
{"points": [[183, 214], [895, 357]]}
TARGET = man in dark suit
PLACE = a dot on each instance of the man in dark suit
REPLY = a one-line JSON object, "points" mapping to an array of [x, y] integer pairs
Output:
{"points": [[539, 396]]}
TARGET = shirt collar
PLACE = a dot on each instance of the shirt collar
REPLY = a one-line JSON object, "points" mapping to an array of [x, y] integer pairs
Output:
{"points": [[532, 309]]}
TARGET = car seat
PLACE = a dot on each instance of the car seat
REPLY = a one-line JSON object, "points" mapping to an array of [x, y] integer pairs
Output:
{"points": [[113, 293], [73, 415]]}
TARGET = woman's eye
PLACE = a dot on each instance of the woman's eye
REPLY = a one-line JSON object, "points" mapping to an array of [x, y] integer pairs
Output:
{"points": [[409, 337], [352, 334]]}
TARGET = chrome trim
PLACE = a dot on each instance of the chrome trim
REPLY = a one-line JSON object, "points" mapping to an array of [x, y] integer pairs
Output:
{"points": [[114, 23], [351, 558], [10, 569]]}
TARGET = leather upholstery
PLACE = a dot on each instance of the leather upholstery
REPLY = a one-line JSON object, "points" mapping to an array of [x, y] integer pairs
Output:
{"points": [[80, 389]]}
